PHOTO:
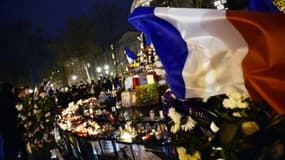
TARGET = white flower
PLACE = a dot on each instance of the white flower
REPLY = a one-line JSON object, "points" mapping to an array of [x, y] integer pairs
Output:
{"points": [[23, 118], [242, 105], [189, 125], [229, 103], [237, 114], [235, 96], [174, 115], [235, 100], [35, 111], [47, 114], [250, 127], [182, 154], [175, 128], [175, 118], [19, 107]]}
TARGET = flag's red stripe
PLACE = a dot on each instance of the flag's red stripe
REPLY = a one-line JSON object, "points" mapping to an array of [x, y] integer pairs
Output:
{"points": [[264, 65]]}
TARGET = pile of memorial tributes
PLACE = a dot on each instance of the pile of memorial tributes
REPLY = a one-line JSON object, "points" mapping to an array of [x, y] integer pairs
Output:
{"points": [[209, 112], [77, 118], [226, 99]]}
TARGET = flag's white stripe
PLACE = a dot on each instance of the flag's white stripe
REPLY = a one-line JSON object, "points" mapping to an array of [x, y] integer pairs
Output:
{"points": [[213, 65], [130, 60]]}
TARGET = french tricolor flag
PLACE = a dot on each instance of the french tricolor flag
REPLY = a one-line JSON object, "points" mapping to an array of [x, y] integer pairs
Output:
{"points": [[208, 52], [131, 56]]}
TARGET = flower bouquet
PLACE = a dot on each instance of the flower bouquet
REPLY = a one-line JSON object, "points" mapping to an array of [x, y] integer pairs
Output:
{"points": [[225, 127], [36, 118]]}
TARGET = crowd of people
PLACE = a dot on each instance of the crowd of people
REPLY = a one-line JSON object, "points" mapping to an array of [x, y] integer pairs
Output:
{"points": [[12, 146]]}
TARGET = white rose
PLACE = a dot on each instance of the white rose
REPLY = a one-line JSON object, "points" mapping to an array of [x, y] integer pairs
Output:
{"points": [[235, 100], [19, 107], [229, 103]]}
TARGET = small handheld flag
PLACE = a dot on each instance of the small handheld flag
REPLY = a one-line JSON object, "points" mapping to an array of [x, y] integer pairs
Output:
{"points": [[131, 56]]}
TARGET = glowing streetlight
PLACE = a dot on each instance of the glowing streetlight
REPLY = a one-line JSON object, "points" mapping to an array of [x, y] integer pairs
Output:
{"points": [[73, 77], [106, 67], [98, 69]]}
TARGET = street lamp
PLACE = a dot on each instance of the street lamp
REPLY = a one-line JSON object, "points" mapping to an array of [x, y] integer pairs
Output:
{"points": [[74, 77], [106, 67], [99, 69]]}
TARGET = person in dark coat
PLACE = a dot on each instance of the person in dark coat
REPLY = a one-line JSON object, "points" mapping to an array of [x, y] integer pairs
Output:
{"points": [[11, 135]]}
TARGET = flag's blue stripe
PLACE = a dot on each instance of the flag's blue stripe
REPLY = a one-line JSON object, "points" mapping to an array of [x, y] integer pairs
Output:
{"points": [[262, 5], [168, 42], [147, 40], [130, 53]]}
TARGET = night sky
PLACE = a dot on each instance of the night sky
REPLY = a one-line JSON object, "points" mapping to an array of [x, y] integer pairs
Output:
{"points": [[19, 60], [51, 14]]}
